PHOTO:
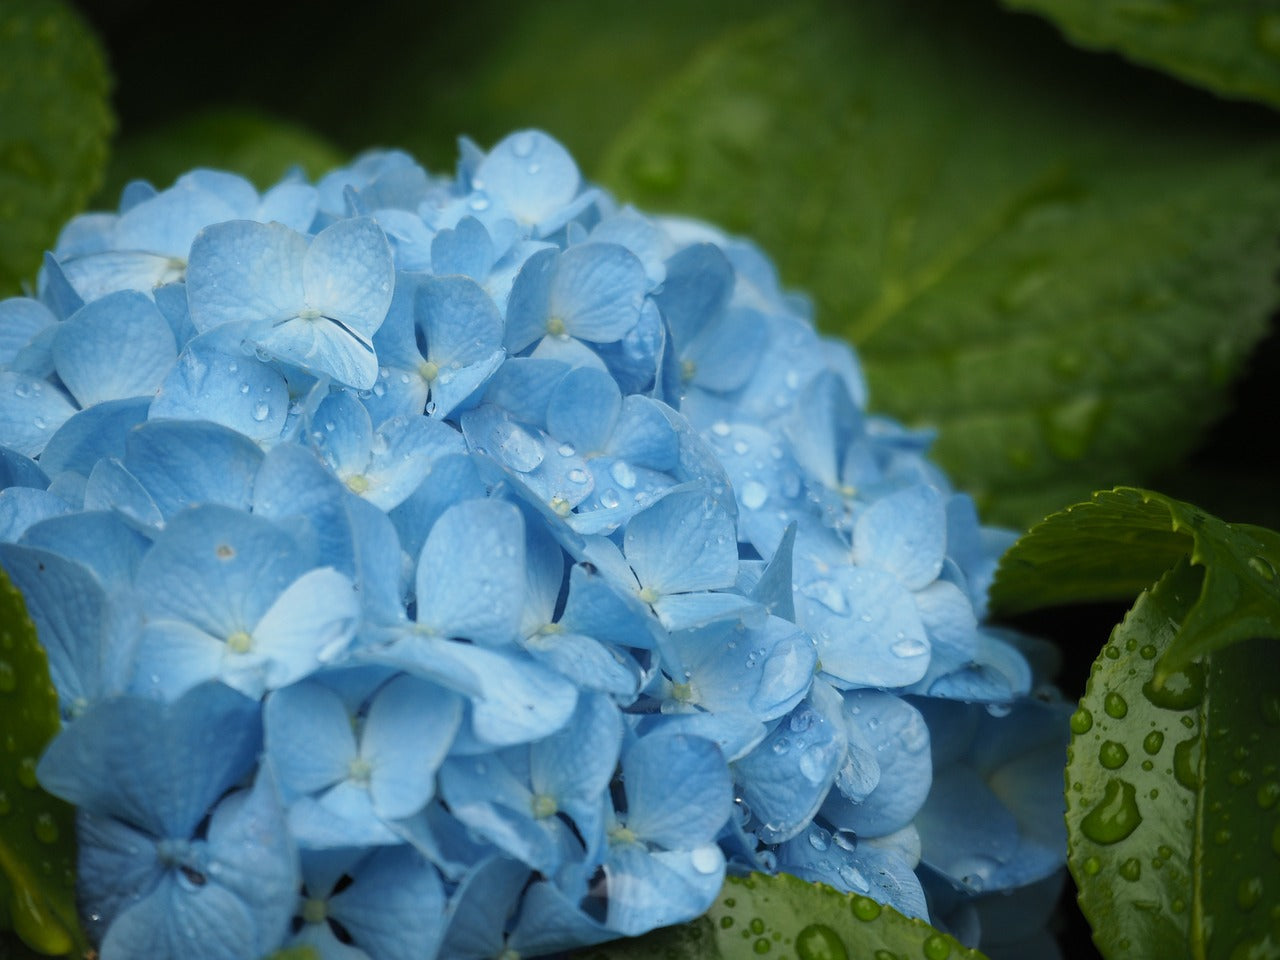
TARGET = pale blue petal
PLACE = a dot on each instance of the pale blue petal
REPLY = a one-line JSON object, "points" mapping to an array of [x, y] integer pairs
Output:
{"points": [[465, 249], [597, 291], [485, 796], [342, 817], [678, 787], [966, 833], [56, 291], [115, 864], [101, 541], [20, 507], [575, 764], [310, 624], [583, 409], [343, 434], [863, 869], [173, 656], [726, 353], [899, 737], [402, 459], [640, 235], [242, 270], [480, 908], [21, 318], [648, 890], [409, 729], [686, 611], [116, 347], [348, 276], [293, 204], [470, 580], [904, 533], [643, 436], [30, 412], [588, 663], [309, 739], [461, 323], [322, 347], [18, 470], [88, 436], [683, 542], [171, 458], [550, 921], [785, 778], [531, 174], [177, 919], [453, 479], [697, 287], [209, 382], [168, 222], [528, 304], [734, 732]]}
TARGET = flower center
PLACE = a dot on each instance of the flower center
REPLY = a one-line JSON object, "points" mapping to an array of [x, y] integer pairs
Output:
{"points": [[359, 771], [621, 834], [314, 910], [556, 327], [561, 506], [358, 483], [311, 313], [544, 806], [428, 370], [682, 692], [688, 370], [649, 595], [240, 642]]}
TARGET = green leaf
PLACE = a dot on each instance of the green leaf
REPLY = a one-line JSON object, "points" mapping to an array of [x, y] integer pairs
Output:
{"points": [[54, 125], [301, 952], [1230, 48], [1122, 540], [784, 916], [1173, 783], [37, 831], [258, 147], [1062, 280]]}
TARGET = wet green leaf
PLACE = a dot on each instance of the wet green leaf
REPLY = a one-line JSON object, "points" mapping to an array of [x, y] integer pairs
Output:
{"points": [[37, 831], [54, 125], [1062, 280], [1230, 48], [1172, 789], [1121, 541], [303, 952], [259, 147], [784, 916]]}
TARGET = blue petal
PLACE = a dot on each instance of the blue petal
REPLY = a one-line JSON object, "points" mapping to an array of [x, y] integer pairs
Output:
{"points": [[101, 431], [470, 580], [465, 250], [21, 318], [171, 458], [101, 541], [116, 347], [310, 624], [904, 533], [395, 907], [549, 921], [484, 795], [181, 757], [583, 409], [408, 731], [480, 908], [697, 287], [177, 919], [343, 434], [116, 864], [597, 291], [30, 412], [348, 276], [309, 739], [683, 542], [678, 790], [648, 890], [531, 174], [899, 737], [242, 270], [21, 507], [528, 304]]}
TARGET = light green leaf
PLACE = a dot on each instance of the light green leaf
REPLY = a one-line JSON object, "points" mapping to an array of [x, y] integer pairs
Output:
{"points": [[258, 147], [37, 831], [302, 952], [1122, 540], [1064, 281], [1173, 783], [54, 125], [784, 916], [1230, 48]]}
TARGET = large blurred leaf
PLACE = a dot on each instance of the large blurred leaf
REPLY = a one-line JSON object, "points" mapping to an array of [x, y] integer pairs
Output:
{"points": [[1172, 815], [1121, 541], [1230, 48], [37, 831], [1062, 278], [54, 125], [259, 147], [784, 916]]}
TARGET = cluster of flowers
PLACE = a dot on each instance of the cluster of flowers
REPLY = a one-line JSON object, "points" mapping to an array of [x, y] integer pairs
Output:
{"points": [[474, 567]]}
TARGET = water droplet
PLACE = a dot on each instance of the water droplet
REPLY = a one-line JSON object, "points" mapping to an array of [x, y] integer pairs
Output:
{"points": [[1081, 721], [757, 926], [818, 839], [1112, 755], [801, 721], [8, 677], [1115, 706], [999, 709], [1239, 777], [812, 764], [853, 877], [1249, 892], [1070, 427], [523, 144], [1263, 568], [909, 647], [1091, 866], [726, 923], [1147, 652], [261, 411], [781, 745], [1186, 763], [479, 202], [1115, 817], [45, 828], [705, 859], [1268, 34], [578, 476], [1178, 905], [753, 495], [819, 942], [936, 947], [1152, 742], [609, 499], [27, 772], [1179, 690], [864, 908], [1131, 869], [762, 945], [1268, 794]]}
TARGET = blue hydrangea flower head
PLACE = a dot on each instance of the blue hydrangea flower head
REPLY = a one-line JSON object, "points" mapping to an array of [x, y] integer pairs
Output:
{"points": [[468, 566]]}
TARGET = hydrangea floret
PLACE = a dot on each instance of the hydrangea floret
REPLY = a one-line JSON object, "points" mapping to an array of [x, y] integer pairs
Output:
{"points": [[476, 567]]}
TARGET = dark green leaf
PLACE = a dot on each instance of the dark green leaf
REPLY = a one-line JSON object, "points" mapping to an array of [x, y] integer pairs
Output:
{"points": [[303, 952], [1122, 540], [1063, 280], [784, 916], [258, 147], [37, 831], [1173, 783], [54, 125], [1229, 48]]}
